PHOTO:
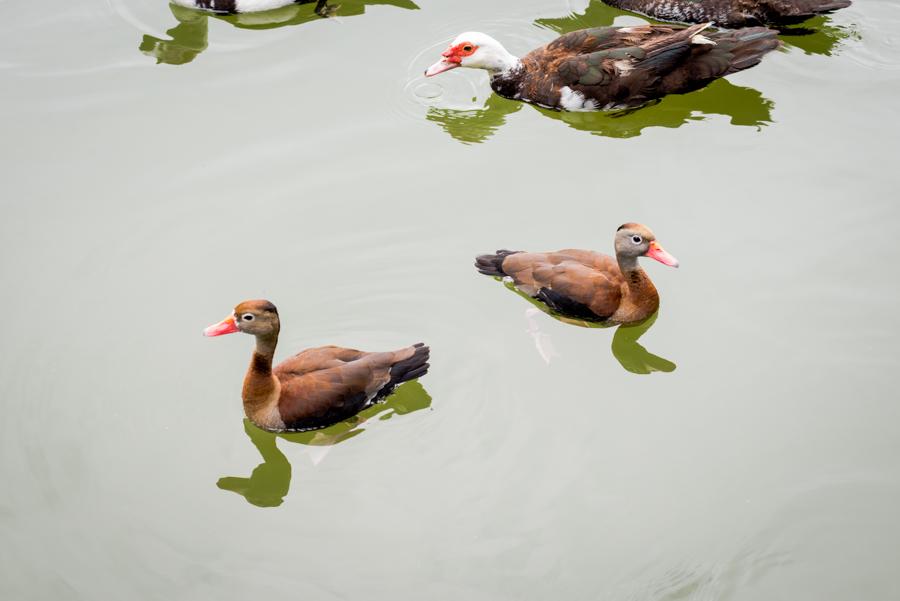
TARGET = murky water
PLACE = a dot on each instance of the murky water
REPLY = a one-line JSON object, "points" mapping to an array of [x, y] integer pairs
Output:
{"points": [[159, 166]]}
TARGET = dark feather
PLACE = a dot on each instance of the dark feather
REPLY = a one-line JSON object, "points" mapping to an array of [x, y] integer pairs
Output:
{"points": [[731, 13], [615, 68]]}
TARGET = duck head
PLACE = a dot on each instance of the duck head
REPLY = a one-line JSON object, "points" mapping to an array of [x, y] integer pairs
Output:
{"points": [[474, 50], [256, 317], [635, 240]]}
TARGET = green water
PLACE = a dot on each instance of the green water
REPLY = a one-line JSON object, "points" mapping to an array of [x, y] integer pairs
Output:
{"points": [[160, 166]]}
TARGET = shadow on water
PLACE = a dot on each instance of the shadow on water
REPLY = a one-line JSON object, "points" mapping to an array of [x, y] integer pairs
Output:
{"points": [[625, 348], [190, 37], [270, 481], [743, 106], [815, 36]]}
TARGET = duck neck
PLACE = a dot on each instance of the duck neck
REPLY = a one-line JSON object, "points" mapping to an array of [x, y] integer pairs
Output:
{"points": [[261, 388], [503, 65], [642, 294]]}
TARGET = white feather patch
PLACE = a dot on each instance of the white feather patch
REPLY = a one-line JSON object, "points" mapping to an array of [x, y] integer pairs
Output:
{"points": [[573, 100], [623, 66], [702, 39]]}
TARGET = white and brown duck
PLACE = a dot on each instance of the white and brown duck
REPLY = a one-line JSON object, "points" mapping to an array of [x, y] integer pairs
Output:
{"points": [[244, 6], [317, 387], [587, 284], [606, 68], [732, 13]]}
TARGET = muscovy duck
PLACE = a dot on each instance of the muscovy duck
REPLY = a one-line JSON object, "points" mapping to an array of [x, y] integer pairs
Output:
{"points": [[731, 13], [608, 68]]}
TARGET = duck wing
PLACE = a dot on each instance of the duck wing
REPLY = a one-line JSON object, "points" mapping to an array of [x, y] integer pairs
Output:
{"points": [[574, 282], [609, 68], [314, 359], [325, 385], [731, 13]]}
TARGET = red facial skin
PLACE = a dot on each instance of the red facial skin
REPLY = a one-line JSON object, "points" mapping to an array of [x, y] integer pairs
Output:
{"points": [[455, 54], [451, 58]]}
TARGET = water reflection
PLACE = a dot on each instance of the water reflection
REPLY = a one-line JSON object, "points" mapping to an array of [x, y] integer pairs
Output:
{"points": [[814, 36], [819, 36], [741, 105], [190, 36], [633, 356], [270, 481], [625, 348], [476, 125]]}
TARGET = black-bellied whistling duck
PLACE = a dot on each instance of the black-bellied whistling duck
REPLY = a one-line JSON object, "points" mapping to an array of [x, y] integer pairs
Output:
{"points": [[584, 283], [607, 68], [731, 13], [317, 387]]}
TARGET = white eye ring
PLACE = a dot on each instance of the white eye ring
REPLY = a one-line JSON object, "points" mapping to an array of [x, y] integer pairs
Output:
{"points": [[247, 316], [637, 239]]}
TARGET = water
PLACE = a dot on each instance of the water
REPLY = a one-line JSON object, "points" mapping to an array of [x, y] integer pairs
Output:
{"points": [[744, 446]]}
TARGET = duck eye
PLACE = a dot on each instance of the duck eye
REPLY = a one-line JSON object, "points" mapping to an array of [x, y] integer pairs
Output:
{"points": [[247, 317], [637, 239], [467, 48]]}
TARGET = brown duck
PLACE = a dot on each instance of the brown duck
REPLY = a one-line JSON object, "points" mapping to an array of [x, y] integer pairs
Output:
{"points": [[608, 68], [317, 387], [586, 284], [731, 13]]}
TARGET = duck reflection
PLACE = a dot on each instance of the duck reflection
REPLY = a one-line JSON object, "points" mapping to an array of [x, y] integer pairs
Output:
{"points": [[741, 105], [815, 36], [190, 36], [819, 36], [270, 481], [625, 348]]}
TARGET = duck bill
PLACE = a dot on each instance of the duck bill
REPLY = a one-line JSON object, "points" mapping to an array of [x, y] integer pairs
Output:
{"points": [[439, 67], [659, 253], [226, 326]]}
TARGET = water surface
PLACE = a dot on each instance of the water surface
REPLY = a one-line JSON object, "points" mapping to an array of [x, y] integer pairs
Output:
{"points": [[161, 166]]}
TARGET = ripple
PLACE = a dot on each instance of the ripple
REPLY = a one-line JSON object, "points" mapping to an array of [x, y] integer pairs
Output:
{"points": [[461, 89], [429, 91]]}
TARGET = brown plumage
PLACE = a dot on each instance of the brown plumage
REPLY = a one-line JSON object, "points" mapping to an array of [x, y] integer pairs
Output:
{"points": [[731, 13], [586, 284], [625, 67], [606, 68], [317, 387]]}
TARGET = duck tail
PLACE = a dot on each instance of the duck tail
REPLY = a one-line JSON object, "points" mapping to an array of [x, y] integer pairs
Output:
{"points": [[746, 46], [493, 264], [414, 366]]}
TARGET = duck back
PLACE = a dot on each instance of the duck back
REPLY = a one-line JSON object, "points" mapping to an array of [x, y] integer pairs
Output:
{"points": [[613, 68], [731, 13]]}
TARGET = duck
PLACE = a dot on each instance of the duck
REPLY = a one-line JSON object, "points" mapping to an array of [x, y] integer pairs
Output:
{"points": [[243, 6], [610, 68], [585, 284], [732, 13], [318, 387]]}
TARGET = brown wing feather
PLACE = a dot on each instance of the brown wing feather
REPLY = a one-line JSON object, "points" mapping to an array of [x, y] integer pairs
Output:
{"points": [[623, 67], [585, 277], [317, 358], [594, 62], [334, 393], [328, 384]]}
